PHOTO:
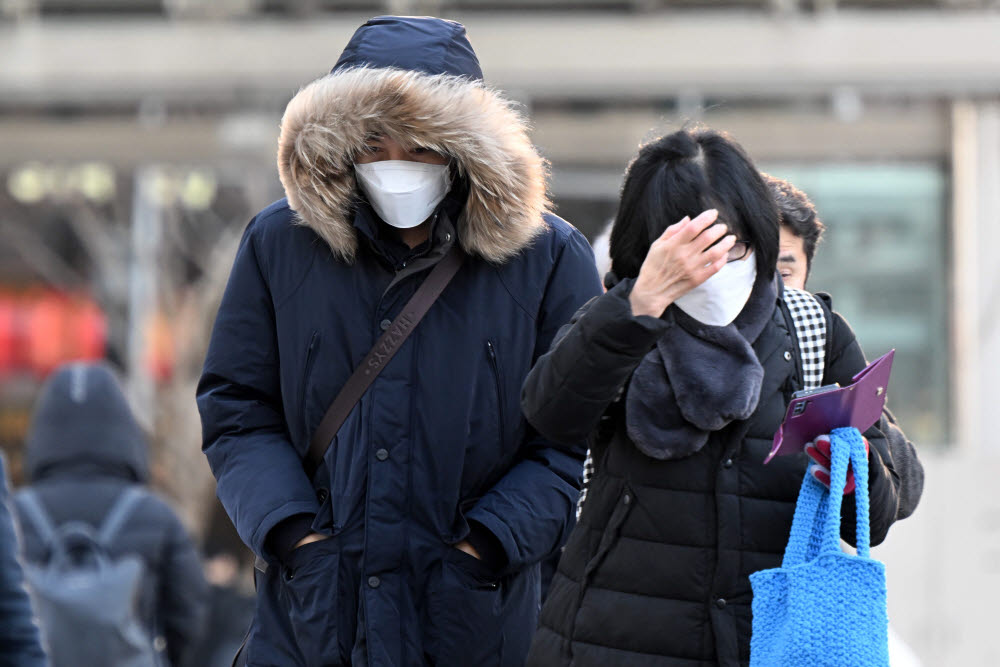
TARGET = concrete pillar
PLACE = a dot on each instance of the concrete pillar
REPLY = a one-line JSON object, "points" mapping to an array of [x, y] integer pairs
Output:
{"points": [[976, 273]]}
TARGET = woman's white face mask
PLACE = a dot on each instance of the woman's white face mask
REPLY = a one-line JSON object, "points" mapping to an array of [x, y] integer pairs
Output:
{"points": [[718, 300], [403, 193]]}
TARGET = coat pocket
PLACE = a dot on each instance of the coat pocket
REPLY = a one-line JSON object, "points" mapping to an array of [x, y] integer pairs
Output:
{"points": [[469, 612], [310, 584], [609, 537]]}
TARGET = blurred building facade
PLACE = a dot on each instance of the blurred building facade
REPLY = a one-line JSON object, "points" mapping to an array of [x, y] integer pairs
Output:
{"points": [[138, 136]]}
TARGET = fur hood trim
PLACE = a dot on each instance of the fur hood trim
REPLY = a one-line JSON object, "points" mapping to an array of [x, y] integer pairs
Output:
{"points": [[325, 126]]}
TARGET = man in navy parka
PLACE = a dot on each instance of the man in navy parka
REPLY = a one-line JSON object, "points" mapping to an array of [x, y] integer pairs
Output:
{"points": [[418, 540]]}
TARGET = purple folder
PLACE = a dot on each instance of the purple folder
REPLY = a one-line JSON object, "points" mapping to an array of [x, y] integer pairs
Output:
{"points": [[859, 404]]}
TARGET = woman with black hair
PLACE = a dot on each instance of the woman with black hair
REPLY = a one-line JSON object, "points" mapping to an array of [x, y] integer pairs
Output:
{"points": [[679, 376]]}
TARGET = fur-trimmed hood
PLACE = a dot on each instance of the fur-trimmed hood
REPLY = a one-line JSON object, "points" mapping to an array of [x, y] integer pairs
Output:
{"points": [[325, 126]]}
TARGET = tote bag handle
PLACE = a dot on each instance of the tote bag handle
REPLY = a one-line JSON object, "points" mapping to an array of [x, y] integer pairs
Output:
{"points": [[816, 524]]}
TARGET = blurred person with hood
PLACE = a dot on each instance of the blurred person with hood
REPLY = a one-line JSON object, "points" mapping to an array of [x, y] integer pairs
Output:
{"points": [[20, 644], [418, 538], [679, 375], [85, 449]]}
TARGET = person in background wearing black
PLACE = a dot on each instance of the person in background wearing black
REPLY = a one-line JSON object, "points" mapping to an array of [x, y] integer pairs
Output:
{"points": [[228, 569]]}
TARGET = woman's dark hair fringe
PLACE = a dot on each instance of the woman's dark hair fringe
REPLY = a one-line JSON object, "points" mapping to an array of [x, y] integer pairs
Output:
{"points": [[683, 174]]}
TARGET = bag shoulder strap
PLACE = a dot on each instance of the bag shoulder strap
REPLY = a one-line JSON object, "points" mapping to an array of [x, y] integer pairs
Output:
{"points": [[119, 512], [809, 319], [385, 348], [32, 510]]}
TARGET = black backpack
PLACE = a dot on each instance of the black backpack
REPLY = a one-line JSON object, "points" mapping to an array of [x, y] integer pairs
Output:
{"points": [[87, 603]]}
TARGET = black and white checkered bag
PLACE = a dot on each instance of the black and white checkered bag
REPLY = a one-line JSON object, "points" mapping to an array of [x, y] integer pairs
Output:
{"points": [[810, 330]]}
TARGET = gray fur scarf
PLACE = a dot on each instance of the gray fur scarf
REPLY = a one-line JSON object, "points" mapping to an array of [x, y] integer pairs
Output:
{"points": [[697, 380]]}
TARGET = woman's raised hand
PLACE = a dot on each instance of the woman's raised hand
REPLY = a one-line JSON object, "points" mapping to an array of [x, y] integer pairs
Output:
{"points": [[681, 259]]}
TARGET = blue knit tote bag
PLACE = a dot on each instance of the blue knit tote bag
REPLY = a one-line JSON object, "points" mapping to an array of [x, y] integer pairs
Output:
{"points": [[824, 606]]}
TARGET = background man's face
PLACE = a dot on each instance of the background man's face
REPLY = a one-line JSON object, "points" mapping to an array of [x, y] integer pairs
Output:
{"points": [[792, 264]]}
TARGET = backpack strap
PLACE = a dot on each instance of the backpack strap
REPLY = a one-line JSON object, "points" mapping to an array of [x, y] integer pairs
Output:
{"points": [[809, 319], [30, 507], [117, 515]]}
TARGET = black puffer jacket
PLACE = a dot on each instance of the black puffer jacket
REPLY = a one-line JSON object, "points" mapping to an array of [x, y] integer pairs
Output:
{"points": [[84, 448], [656, 572]]}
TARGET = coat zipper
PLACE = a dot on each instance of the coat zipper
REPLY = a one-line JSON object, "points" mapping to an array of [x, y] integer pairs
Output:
{"points": [[307, 371], [492, 353]]}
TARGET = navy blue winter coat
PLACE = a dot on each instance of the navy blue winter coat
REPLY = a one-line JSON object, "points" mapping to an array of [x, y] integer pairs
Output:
{"points": [[438, 446], [20, 642]]}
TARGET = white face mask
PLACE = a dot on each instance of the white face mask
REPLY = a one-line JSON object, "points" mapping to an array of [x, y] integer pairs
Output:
{"points": [[718, 300], [403, 193]]}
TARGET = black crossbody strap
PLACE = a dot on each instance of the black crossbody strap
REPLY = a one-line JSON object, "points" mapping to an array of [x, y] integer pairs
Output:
{"points": [[385, 348]]}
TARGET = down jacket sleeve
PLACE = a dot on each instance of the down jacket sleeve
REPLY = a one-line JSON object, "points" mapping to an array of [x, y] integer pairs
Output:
{"points": [[593, 356], [260, 476], [530, 509], [896, 477]]}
